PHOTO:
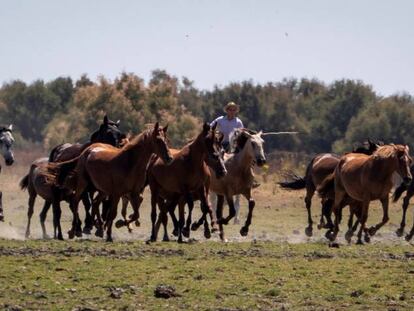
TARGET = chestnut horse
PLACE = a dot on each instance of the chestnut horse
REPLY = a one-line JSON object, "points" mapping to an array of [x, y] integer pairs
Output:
{"points": [[188, 173], [317, 170], [366, 178], [111, 171], [6, 143], [35, 180]]}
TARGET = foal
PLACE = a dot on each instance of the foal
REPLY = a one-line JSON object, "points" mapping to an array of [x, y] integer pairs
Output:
{"points": [[366, 178], [113, 172], [6, 143]]}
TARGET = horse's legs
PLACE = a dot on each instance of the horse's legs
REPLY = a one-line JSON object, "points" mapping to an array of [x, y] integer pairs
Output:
{"points": [[1, 207], [237, 208], [43, 215], [245, 229], [136, 200], [74, 204], [57, 212], [154, 195], [363, 219], [372, 230], [410, 235], [181, 205], [308, 204], [186, 229], [232, 211], [354, 209], [96, 215], [32, 198], [190, 202], [219, 215], [88, 218], [110, 217], [206, 209], [338, 204], [327, 213], [406, 201]]}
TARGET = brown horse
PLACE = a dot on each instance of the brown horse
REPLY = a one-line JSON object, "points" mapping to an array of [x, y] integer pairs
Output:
{"points": [[188, 173], [320, 167], [366, 178], [113, 172]]}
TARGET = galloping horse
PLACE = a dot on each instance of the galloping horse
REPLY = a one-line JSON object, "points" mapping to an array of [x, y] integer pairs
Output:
{"points": [[6, 143], [36, 181], [188, 173], [397, 194], [111, 171], [247, 150], [320, 167], [366, 178]]}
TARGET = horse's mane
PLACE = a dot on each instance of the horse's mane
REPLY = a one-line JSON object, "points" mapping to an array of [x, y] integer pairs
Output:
{"points": [[137, 139], [386, 151], [237, 140], [4, 128]]}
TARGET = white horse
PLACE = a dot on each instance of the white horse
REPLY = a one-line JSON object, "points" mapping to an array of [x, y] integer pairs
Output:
{"points": [[6, 143]]}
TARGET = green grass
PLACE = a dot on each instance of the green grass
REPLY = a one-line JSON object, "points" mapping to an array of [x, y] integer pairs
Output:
{"points": [[207, 276]]}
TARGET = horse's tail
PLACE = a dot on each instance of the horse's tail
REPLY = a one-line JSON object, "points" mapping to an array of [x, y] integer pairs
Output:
{"points": [[296, 184], [327, 186], [59, 172], [52, 154], [24, 183], [399, 191]]}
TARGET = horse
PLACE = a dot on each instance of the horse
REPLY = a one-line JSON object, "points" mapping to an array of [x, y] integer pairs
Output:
{"points": [[321, 166], [403, 187], [188, 173], [247, 150], [36, 184], [366, 178], [111, 171], [6, 144]]}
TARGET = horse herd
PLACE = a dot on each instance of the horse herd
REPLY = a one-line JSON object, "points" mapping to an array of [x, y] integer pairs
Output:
{"points": [[110, 168]]}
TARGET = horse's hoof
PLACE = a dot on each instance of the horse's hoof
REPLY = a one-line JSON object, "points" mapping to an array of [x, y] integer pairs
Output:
{"points": [[367, 238], [372, 231], [194, 226], [120, 223], [175, 232], [214, 229], [166, 239], [359, 242], [186, 232], [207, 234], [348, 236], [148, 242], [27, 235], [71, 234], [222, 238], [244, 231], [109, 239], [137, 223], [78, 233], [99, 233], [330, 235], [309, 231], [408, 237], [87, 230], [400, 232]]}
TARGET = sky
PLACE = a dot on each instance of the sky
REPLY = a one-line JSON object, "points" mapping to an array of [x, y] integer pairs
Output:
{"points": [[212, 42]]}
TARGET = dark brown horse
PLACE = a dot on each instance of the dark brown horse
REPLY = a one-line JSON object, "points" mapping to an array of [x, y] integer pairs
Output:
{"points": [[403, 187], [320, 167], [366, 178], [111, 171], [6, 144], [188, 173]]}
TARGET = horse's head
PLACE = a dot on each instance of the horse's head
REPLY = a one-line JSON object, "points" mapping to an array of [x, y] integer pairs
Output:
{"points": [[159, 139], [404, 163], [108, 133], [368, 147], [6, 143], [214, 149], [252, 142]]}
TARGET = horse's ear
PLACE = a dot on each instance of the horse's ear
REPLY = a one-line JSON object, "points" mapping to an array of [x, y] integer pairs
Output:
{"points": [[117, 123], [260, 133], [206, 127], [10, 128], [156, 126], [105, 120], [165, 128], [407, 148]]}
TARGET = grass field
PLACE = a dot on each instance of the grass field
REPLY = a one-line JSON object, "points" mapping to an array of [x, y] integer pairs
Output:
{"points": [[275, 267]]}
